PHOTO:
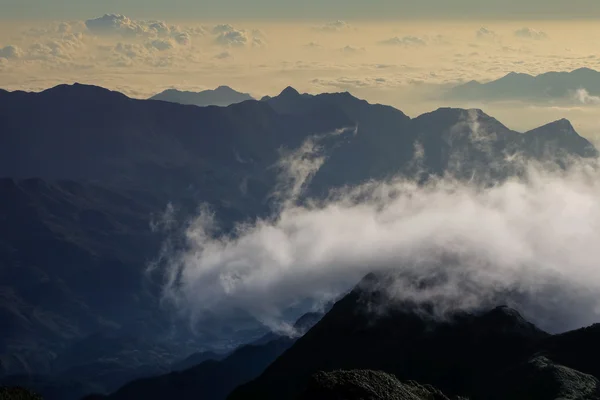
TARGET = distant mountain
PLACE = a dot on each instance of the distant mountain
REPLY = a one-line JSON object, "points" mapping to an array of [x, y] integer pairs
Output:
{"points": [[221, 96], [210, 380], [196, 359], [575, 86], [86, 173], [489, 355], [215, 376]]}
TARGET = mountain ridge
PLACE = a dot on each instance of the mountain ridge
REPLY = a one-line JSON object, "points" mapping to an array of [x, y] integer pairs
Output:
{"points": [[221, 96], [548, 86]]}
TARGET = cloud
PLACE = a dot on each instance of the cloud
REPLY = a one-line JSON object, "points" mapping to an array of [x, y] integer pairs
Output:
{"points": [[258, 42], [350, 83], [161, 44], [10, 51], [486, 34], [530, 241], [313, 45], [232, 38], [223, 55], [114, 24], [117, 24], [352, 50], [227, 35], [183, 38], [333, 26], [131, 50], [406, 41], [582, 96], [528, 33]]}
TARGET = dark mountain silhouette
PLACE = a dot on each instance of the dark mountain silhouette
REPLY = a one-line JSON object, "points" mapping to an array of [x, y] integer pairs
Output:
{"points": [[365, 384], [216, 376], [544, 87], [480, 356], [16, 393], [551, 140], [222, 96], [540, 378], [196, 359], [88, 171], [211, 379]]}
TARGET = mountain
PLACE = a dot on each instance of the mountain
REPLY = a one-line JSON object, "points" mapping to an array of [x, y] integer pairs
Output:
{"points": [[211, 379], [540, 379], [196, 359], [215, 376], [222, 96], [466, 349], [364, 384], [493, 354], [575, 86], [86, 177], [15, 393]]}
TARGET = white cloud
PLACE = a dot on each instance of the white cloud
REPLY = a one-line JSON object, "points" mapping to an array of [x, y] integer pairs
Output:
{"points": [[582, 96], [222, 28], [114, 24], [352, 50], [406, 41], [183, 38], [486, 34], [223, 55], [161, 44], [232, 38], [10, 51], [535, 236], [350, 83], [229, 36], [333, 26], [528, 33]]}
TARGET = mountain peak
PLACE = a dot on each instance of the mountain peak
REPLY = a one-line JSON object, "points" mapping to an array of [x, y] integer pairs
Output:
{"points": [[83, 91], [289, 92], [562, 125], [225, 88], [584, 70]]}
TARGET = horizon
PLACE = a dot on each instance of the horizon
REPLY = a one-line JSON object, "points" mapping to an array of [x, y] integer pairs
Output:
{"points": [[299, 200], [405, 64]]}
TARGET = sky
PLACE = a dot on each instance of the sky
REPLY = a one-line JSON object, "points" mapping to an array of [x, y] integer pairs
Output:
{"points": [[403, 53], [307, 9]]}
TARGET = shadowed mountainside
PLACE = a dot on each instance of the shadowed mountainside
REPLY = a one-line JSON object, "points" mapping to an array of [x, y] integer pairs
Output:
{"points": [[88, 173], [480, 356]]}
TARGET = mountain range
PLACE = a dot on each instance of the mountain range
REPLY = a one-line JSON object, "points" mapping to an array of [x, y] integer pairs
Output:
{"points": [[221, 96], [578, 86], [87, 174], [358, 352]]}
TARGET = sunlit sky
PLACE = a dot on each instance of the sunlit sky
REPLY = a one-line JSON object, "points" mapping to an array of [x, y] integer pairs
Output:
{"points": [[374, 49], [311, 9]]}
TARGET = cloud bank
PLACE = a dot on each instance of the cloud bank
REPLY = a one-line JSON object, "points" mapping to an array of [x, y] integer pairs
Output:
{"points": [[530, 242], [406, 41], [528, 33]]}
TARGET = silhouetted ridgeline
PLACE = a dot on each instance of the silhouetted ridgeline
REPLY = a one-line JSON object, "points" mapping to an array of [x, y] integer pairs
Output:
{"points": [[85, 173]]}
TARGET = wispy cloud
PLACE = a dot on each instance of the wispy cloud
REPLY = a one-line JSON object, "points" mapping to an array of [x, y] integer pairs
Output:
{"points": [[529, 241], [529, 33], [406, 41]]}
